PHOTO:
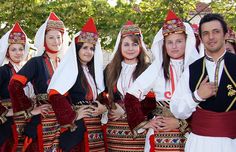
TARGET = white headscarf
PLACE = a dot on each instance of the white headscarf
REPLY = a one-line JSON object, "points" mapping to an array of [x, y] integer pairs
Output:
{"points": [[40, 37], [66, 74], [144, 82], [4, 46]]}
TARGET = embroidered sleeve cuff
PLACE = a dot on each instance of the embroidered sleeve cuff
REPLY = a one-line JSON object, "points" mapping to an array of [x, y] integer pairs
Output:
{"points": [[183, 126], [3, 118], [26, 113]]}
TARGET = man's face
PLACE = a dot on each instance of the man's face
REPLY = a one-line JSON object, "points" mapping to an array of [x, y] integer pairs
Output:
{"points": [[212, 36]]}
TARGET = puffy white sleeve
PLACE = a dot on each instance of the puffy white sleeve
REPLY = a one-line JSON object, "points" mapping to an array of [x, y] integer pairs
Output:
{"points": [[182, 104]]}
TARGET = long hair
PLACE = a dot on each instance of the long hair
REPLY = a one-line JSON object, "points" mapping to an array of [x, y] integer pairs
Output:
{"points": [[90, 65], [113, 69], [166, 60]]}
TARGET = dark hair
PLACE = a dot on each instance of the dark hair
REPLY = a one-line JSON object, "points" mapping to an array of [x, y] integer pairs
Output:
{"points": [[90, 65], [113, 69], [166, 59], [213, 17]]}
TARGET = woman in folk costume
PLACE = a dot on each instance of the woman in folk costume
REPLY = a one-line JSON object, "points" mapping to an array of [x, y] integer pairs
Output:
{"points": [[14, 48], [129, 61], [174, 49], [41, 129], [74, 92], [230, 41]]}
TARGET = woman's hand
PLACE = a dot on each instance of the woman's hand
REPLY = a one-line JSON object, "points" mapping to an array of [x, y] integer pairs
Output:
{"points": [[99, 109], [84, 111], [167, 123], [42, 109], [153, 123], [117, 113]]}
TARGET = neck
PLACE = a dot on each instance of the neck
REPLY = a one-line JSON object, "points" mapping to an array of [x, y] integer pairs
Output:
{"points": [[131, 61], [52, 56], [216, 55], [15, 63]]}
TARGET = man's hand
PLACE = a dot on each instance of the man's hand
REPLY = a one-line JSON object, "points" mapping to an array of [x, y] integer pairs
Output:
{"points": [[206, 89]]}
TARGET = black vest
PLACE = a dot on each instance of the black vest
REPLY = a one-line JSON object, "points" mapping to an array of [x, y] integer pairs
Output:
{"points": [[223, 99]]}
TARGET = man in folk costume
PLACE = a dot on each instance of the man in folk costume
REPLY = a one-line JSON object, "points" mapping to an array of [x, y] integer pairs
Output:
{"points": [[206, 92], [174, 49], [129, 60], [41, 129], [74, 93], [14, 48]]}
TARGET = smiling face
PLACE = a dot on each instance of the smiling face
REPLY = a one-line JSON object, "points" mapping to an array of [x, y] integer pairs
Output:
{"points": [[16, 52], [175, 45], [130, 49], [86, 53], [53, 39], [213, 37]]}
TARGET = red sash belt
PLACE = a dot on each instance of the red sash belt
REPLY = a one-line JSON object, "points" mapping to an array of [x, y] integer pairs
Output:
{"points": [[214, 124]]}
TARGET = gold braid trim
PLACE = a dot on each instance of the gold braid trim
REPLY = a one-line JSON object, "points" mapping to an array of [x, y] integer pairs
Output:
{"points": [[183, 126], [203, 72], [3, 118], [26, 113], [231, 79]]}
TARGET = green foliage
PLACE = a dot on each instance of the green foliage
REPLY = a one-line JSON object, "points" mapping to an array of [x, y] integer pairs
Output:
{"points": [[149, 15]]}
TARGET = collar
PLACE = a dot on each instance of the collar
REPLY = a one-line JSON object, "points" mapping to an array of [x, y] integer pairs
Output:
{"points": [[209, 58]]}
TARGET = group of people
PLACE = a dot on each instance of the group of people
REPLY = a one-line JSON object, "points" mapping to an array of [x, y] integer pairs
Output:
{"points": [[64, 100]]}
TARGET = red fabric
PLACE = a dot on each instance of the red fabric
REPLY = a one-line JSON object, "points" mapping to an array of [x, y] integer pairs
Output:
{"points": [[40, 137], [214, 124], [148, 104], [15, 137], [134, 111], [86, 141], [62, 108], [171, 16], [129, 23], [49, 50], [19, 78], [6, 146], [53, 17], [20, 101], [89, 26], [152, 143], [104, 131]]}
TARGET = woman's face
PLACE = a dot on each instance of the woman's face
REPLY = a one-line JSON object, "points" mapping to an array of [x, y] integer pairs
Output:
{"points": [[130, 50], [86, 53], [229, 47], [175, 45], [53, 39], [16, 52]]}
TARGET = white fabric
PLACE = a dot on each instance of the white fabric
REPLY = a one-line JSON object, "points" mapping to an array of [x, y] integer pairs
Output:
{"points": [[40, 37], [90, 81], [4, 46], [125, 79], [66, 74], [196, 143]]}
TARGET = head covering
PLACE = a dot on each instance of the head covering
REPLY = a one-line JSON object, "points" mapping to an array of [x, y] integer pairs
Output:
{"points": [[128, 29], [231, 36], [88, 33], [15, 36], [66, 73], [141, 86], [52, 22], [200, 46], [172, 24]]}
